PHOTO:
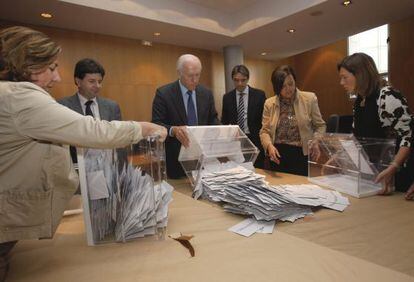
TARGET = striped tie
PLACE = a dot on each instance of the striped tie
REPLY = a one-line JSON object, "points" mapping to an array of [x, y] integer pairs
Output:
{"points": [[240, 112]]}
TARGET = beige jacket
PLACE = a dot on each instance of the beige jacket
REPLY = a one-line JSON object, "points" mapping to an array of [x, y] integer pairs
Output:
{"points": [[307, 113], [36, 173]]}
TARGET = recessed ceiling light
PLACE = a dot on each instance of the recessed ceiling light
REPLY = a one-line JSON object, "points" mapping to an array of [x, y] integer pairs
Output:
{"points": [[46, 15], [157, 33], [263, 53], [291, 30], [146, 43], [346, 3]]}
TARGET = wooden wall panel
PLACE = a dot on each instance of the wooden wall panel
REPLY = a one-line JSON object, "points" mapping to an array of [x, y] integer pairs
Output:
{"points": [[316, 72], [316, 69], [401, 59], [134, 72], [218, 81], [260, 74]]}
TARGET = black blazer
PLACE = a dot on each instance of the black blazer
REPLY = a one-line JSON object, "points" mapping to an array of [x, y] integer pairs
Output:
{"points": [[168, 110], [255, 106]]}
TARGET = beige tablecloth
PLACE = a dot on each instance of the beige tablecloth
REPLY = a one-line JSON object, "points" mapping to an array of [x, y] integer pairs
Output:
{"points": [[373, 240]]}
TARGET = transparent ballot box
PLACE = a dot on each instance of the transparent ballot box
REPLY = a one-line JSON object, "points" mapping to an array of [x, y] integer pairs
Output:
{"points": [[213, 147], [123, 191], [349, 164]]}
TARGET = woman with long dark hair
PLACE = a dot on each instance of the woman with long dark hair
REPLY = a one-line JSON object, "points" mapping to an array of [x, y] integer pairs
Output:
{"points": [[380, 111]]}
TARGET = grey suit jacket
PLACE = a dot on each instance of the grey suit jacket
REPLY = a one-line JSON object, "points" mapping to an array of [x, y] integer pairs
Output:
{"points": [[108, 109]]}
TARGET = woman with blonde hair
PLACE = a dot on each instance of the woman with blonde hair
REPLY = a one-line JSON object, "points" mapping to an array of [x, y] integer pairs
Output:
{"points": [[37, 178]]}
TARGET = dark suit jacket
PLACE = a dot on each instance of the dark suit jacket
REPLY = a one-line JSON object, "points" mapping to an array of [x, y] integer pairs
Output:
{"points": [[108, 110], [168, 110], [255, 106]]}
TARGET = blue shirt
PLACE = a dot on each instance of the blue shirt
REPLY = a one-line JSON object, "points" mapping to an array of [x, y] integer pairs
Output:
{"points": [[185, 100], [185, 97]]}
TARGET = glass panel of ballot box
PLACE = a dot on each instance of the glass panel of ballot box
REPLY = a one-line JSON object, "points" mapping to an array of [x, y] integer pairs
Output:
{"points": [[348, 164], [124, 192], [214, 148]]}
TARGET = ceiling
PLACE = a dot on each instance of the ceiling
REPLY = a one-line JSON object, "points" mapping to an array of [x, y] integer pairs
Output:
{"points": [[257, 25], [226, 6]]}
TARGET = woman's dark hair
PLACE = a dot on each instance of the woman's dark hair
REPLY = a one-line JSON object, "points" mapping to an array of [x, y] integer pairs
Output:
{"points": [[87, 65], [279, 75], [24, 51], [365, 71]]}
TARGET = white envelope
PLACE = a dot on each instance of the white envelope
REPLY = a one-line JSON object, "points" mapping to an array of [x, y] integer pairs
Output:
{"points": [[97, 185]]}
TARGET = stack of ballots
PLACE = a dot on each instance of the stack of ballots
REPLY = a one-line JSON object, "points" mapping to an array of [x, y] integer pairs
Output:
{"points": [[143, 205], [242, 191], [122, 201]]}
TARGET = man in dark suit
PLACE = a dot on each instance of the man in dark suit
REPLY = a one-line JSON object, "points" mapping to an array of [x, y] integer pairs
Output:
{"points": [[243, 106], [181, 103], [89, 75]]}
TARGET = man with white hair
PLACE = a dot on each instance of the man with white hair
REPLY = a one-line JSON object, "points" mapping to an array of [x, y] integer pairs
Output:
{"points": [[181, 103]]}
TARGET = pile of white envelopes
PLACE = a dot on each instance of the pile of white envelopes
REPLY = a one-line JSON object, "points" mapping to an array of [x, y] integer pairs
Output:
{"points": [[243, 191], [123, 203]]}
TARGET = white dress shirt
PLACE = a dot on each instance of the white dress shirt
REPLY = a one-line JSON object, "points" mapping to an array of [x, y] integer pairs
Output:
{"points": [[94, 106]]}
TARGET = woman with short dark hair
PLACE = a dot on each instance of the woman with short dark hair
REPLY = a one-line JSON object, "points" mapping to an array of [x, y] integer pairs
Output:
{"points": [[380, 111], [290, 120]]}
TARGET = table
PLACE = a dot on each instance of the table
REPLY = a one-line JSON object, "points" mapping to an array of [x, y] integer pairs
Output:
{"points": [[372, 240]]}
